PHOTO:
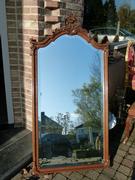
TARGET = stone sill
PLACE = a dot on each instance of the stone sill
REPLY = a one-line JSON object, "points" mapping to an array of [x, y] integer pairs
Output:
{"points": [[51, 19], [52, 5]]}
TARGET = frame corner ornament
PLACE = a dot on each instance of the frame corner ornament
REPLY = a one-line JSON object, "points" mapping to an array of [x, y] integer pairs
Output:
{"points": [[33, 42]]}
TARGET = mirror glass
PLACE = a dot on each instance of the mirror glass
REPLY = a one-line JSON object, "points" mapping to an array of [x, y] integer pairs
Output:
{"points": [[116, 23], [70, 103]]}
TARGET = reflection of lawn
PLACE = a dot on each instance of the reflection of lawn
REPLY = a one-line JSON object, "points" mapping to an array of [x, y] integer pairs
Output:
{"points": [[87, 153], [63, 161], [79, 157]]}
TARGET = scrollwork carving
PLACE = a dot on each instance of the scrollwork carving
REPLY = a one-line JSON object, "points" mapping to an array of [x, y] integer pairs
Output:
{"points": [[71, 27], [71, 20]]}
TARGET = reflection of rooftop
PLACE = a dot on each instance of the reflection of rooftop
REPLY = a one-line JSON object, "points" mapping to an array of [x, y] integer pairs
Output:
{"points": [[79, 126], [49, 126]]}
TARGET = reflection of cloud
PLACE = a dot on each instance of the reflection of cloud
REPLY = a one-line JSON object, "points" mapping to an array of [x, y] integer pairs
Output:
{"points": [[76, 119], [74, 115]]}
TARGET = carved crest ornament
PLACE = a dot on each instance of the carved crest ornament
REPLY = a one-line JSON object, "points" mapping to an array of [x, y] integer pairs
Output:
{"points": [[72, 27]]}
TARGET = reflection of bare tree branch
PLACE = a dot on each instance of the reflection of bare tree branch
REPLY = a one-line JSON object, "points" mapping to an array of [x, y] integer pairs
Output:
{"points": [[64, 121]]}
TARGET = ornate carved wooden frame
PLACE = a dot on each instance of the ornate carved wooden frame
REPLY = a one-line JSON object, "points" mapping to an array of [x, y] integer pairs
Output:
{"points": [[71, 28]]}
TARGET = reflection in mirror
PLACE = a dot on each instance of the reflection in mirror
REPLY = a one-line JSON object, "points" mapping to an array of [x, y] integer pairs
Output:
{"points": [[116, 23], [70, 103]]}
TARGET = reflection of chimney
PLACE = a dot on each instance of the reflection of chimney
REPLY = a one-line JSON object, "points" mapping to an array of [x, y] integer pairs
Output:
{"points": [[42, 122], [43, 118], [42, 115]]}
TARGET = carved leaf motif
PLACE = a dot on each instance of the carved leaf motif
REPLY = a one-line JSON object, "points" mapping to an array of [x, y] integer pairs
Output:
{"points": [[71, 20]]}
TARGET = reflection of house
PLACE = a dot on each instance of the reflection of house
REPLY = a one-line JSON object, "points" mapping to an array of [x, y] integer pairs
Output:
{"points": [[84, 134], [49, 126]]}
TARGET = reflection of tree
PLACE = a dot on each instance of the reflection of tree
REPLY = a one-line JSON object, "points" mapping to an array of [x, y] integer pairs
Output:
{"points": [[131, 26], [64, 121], [98, 14], [89, 101], [124, 13], [110, 14], [93, 11], [127, 17]]}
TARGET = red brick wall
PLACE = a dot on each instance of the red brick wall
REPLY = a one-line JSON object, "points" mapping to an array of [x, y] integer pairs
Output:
{"points": [[24, 20]]}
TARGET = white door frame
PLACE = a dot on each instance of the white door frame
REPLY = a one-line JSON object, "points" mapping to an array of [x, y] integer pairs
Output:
{"points": [[6, 66]]}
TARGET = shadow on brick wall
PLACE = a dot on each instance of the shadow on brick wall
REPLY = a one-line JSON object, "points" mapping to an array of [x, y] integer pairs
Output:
{"points": [[32, 13]]}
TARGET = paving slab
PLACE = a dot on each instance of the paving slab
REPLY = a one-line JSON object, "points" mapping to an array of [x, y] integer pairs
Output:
{"points": [[15, 153]]}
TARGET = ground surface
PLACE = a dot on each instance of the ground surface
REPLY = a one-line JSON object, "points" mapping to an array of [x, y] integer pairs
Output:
{"points": [[122, 165], [15, 151]]}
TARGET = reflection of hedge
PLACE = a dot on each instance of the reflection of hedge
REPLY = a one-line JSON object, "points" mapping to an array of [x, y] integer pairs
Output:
{"points": [[132, 30], [87, 153]]}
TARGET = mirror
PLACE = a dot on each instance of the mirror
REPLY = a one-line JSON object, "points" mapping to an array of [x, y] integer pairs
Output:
{"points": [[70, 104]]}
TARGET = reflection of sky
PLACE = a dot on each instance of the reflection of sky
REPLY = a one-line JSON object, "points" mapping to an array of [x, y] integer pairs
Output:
{"points": [[131, 3], [119, 3], [64, 66]]}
